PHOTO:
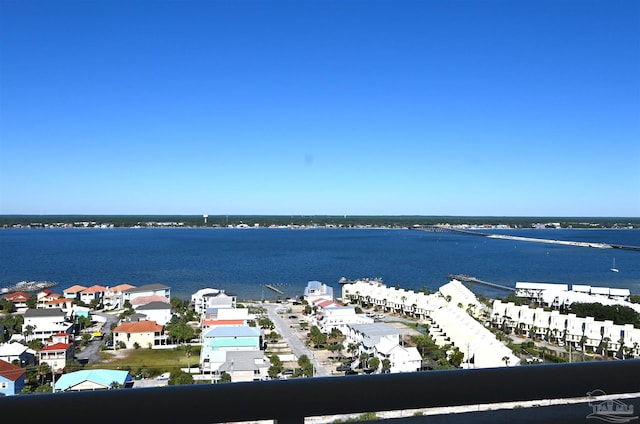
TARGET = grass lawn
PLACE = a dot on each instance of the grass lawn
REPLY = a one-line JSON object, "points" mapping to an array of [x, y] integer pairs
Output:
{"points": [[162, 360]]}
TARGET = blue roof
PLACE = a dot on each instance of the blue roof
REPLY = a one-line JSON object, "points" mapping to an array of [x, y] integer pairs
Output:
{"points": [[233, 331], [102, 377]]}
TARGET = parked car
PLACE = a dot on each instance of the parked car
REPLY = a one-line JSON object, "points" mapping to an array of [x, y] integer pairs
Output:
{"points": [[343, 367]]}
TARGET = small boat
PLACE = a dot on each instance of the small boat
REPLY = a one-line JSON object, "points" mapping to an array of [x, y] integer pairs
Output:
{"points": [[613, 268]]}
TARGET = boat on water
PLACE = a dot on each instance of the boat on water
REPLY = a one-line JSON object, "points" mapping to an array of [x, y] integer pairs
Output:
{"points": [[28, 286], [613, 268]]}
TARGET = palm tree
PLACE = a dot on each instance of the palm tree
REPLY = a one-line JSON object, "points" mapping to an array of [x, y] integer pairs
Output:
{"points": [[532, 332], [28, 331], [187, 351], [506, 360]]}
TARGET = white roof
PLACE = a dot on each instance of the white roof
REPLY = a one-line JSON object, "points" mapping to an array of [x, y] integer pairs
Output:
{"points": [[541, 286]]}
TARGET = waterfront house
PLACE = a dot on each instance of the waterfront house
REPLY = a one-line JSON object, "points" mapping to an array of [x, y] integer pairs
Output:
{"points": [[41, 324], [19, 300], [89, 380], [73, 292], [12, 378], [160, 312], [158, 290], [209, 298], [141, 333], [92, 294], [317, 290], [56, 355], [112, 298]]}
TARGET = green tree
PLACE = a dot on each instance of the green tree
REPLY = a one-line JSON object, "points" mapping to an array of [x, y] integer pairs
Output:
{"points": [[180, 331], [179, 378], [28, 332], [225, 377], [306, 366], [374, 363], [318, 338], [7, 306], [276, 366], [32, 302]]}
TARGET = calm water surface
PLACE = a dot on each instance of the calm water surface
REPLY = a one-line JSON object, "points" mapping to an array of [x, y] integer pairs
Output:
{"points": [[242, 261]]}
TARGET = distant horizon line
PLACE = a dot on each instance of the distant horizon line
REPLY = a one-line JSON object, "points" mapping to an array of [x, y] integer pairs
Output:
{"points": [[311, 215]]}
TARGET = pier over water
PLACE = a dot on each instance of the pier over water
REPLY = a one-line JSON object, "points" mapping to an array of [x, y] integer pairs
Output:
{"points": [[443, 229]]}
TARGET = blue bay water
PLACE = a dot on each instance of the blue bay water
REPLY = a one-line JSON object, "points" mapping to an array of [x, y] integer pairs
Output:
{"points": [[242, 261]]}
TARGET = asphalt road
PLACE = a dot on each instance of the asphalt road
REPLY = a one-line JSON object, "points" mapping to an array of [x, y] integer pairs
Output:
{"points": [[91, 352], [292, 338]]}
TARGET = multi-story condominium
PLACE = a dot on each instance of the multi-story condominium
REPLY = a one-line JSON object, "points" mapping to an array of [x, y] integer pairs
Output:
{"points": [[450, 313], [579, 333]]}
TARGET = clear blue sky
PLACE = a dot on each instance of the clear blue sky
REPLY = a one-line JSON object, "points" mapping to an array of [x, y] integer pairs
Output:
{"points": [[320, 107]]}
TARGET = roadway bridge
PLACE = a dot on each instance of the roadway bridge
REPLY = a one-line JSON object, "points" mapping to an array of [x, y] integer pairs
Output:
{"points": [[447, 229]]}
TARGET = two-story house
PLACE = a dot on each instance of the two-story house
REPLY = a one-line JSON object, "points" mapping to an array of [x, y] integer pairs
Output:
{"points": [[159, 312], [56, 355], [156, 290], [92, 294], [19, 300], [141, 333]]}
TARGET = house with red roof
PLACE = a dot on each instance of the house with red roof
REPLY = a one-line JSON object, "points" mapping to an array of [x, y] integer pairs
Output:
{"points": [[146, 290], [92, 293], [45, 296], [142, 333], [12, 378], [73, 292], [56, 355], [19, 299], [63, 303], [112, 298]]}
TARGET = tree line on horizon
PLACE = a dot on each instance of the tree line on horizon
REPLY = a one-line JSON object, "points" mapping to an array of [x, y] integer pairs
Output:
{"points": [[391, 221]]}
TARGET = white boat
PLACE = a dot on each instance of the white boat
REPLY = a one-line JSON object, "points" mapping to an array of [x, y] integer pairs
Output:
{"points": [[613, 268]]}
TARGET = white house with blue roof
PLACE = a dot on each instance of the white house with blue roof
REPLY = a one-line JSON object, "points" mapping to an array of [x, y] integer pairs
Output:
{"points": [[92, 380], [317, 290]]}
